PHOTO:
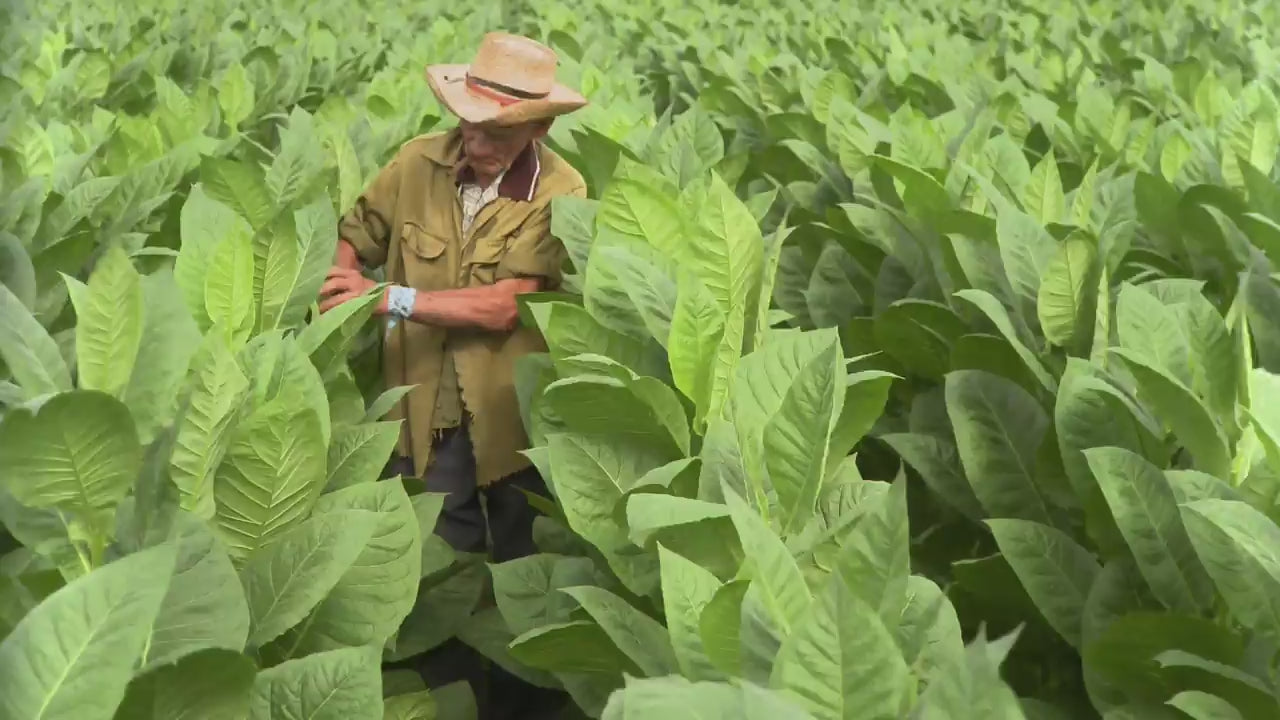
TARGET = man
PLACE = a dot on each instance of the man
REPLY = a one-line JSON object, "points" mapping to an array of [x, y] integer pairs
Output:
{"points": [[461, 221]]}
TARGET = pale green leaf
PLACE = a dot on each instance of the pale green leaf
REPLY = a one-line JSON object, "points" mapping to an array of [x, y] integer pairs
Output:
{"points": [[72, 657], [343, 684], [79, 452], [1055, 571], [286, 578], [1062, 301]]}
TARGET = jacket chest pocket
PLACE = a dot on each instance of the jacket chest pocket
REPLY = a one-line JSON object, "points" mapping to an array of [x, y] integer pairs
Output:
{"points": [[485, 257], [427, 259]]}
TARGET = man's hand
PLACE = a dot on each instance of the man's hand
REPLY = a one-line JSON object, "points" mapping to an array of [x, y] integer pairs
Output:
{"points": [[343, 284]]}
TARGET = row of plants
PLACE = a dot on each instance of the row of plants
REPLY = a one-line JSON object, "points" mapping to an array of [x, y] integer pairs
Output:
{"points": [[240, 557], [1066, 256]]}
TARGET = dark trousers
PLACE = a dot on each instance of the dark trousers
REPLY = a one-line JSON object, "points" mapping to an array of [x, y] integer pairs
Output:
{"points": [[470, 519]]}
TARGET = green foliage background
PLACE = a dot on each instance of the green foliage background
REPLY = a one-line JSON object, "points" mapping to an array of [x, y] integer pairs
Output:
{"points": [[916, 361]]}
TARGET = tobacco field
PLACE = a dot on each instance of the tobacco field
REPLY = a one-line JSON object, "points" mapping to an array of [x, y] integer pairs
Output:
{"points": [[916, 360]]}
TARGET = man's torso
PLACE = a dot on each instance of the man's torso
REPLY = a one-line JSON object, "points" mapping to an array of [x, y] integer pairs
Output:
{"points": [[448, 233]]}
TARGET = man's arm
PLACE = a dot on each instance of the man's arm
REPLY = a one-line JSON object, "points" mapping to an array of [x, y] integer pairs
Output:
{"points": [[488, 307], [347, 257], [364, 233], [531, 263]]}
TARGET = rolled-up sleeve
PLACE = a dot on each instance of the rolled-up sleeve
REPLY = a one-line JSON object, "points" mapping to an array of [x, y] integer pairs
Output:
{"points": [[534, 252], [367, 226]]}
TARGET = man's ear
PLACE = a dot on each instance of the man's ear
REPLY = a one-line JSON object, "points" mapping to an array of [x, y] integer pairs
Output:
{"points": [[542, 127]]}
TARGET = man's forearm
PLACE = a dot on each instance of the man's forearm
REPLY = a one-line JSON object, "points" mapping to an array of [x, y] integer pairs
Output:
{"points": [[489, 307], [347, 256]]}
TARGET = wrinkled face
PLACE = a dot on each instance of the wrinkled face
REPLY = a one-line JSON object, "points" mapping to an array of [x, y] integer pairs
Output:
{"points": [[492, 149]]}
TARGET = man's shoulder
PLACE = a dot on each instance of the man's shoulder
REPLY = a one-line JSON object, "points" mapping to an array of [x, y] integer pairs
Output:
{"points": [[557, 175], [438, 146]]}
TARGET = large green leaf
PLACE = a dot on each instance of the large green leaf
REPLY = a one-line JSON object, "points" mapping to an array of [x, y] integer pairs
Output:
{"points": [[1146, 512], [1055, 571], [527, 590], [678, 699], [1091, 411], [328, 339], [639, 203], [1175, 403], [285, 579], [699, 329], [109, 324], [170, 339], [874, 557], [573, 222], [643, 639], [720, 627], [631, 288], [228, 287], [296, 266], [643, 410], [928, 629], [762, 389], [357, 453], [374, 594], [578, 646], [30, 353], [217, 390], [970, 687], [1237, 545], [78, 452], [205, 224], [343, 684], [1027, 250], [590, 477], [865, 396], [841, 662], [1062, 304], [1150, 330], [206, 685], [725, 247], [938, 463], [273, 473], [239, 186], [294, 169], [73, 655], [999, 428], [686, 590], [999, 316], [796, 438], [771, 567], [570, 331], [205, 605]]}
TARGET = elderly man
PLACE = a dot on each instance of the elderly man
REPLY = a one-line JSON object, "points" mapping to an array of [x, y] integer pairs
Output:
{"points": [[461, 220]]}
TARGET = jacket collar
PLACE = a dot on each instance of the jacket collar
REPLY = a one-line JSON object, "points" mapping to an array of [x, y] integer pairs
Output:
{"points": [[518, 183]]}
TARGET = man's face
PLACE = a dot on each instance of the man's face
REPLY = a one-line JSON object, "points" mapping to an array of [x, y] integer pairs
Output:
{"points": [[492, 149]]}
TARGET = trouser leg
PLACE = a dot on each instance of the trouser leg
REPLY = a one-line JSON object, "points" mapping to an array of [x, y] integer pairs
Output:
{"points": [[461, 524], [511, 529], [453, 472]]}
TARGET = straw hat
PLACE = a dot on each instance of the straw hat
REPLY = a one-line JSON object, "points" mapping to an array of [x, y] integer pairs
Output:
{"points": [[511, 80]]}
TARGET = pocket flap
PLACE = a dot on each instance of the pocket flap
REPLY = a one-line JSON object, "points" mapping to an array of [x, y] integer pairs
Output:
{"points": [[488, 250], [422, 243]]}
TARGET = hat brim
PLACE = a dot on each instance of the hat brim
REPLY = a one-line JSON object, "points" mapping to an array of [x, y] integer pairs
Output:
{"points": [[448, 82]]}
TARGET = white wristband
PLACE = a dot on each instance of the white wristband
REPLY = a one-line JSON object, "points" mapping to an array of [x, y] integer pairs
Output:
{"points": [[400, 301]]}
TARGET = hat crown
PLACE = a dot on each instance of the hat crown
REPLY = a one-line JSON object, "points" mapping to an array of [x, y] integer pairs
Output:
{"points": [[516, 62]]}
